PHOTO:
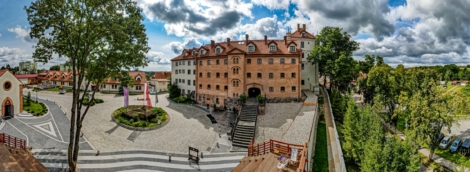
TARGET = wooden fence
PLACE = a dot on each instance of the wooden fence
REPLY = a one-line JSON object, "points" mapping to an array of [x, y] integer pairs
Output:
{"points": [[12, 141]]}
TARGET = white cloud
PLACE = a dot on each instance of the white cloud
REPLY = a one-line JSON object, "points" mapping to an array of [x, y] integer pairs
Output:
{"points": [[13, 56], [23, 34], [273, 4]]}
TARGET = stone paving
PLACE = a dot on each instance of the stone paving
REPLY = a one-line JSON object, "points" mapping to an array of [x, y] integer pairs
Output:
{"points": [[189, 128], [276, 121]]}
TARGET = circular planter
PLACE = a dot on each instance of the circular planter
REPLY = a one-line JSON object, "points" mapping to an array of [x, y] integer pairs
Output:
{"points": [[141, 128]]}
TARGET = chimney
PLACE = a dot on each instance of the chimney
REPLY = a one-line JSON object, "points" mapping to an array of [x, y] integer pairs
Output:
{"points": [[265, 39], [246, 39], [212, 43], [298, 26], [228, 42], [305, 28], [285, 40]]}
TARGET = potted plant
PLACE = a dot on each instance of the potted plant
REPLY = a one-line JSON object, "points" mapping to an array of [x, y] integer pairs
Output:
{"points": [[260, 99], [243, 98]]}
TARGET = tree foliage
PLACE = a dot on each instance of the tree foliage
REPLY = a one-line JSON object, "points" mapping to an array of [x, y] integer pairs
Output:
{"points": [[54, 67], [333, 54], [99, 38], [173, 90]]}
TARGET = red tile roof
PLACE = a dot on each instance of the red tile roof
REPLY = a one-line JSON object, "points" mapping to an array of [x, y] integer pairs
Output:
{"points": [[62, 76], [233, 47], [162, 75], [2, 72], [134, 75], [26, 76]]}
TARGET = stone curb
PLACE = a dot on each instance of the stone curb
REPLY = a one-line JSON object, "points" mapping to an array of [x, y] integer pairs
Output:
{"points": [[139, 128]]}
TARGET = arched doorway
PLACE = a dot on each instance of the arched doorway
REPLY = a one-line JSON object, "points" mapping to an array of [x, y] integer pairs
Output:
{"points": [[253, 92], [7, 108]]}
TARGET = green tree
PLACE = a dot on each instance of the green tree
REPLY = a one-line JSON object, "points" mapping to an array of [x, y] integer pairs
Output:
{"points": [[367, 64], [54, 67], [382, 79], [99, 37], [380, 61], [3, 68], [333, 54], [125, 80], [173, 90], [339, 105], [28, 99]]}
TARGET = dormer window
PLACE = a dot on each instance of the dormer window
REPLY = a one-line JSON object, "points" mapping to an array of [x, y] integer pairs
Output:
{"points": [[55, 76], [71, 76], [218, 50], [194, 53], [63, 76], [185, 54], [251, 48], [272, 48], [304, 34], [138, 78], [292, 48], [202, 52]]}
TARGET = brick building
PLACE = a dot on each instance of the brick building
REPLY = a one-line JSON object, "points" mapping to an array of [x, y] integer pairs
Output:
{"points": [[228, 69]]}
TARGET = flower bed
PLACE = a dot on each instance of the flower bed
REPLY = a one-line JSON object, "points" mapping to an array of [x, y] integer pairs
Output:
{"points": [[36, 109], [139, 117]]}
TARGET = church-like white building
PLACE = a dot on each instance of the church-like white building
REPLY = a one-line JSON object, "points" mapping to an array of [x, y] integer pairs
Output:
{"points": [[11, 94]]}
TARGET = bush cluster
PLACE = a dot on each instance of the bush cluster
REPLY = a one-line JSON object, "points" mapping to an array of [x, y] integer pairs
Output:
{"points": [[88, 103]]}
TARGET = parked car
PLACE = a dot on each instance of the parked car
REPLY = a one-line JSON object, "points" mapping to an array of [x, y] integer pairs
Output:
{"points": [[63, 91], [456, 145], [465, 147], [445, 142], [153, 92]]}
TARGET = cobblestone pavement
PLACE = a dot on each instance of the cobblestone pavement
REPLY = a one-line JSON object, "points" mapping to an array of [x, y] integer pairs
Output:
{"points": [[50, 131], [276, 121], [189, 128]]}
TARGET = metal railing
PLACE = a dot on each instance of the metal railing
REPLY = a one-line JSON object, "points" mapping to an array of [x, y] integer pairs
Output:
{"points": [[12, 141]]}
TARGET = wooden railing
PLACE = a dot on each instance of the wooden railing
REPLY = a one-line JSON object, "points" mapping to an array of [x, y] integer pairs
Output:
{"points": [[282, 148], [12, 141]]}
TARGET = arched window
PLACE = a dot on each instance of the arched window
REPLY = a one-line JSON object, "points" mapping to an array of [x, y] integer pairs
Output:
{"points": [[235, 70], [235, 60], [235, 83]]}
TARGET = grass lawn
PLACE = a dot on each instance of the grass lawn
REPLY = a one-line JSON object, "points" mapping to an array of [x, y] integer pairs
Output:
{"points": [[455, 158], [34, 108], [58, 89], [320, 160]]}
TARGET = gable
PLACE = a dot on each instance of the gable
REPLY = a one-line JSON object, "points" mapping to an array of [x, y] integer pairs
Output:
{"points": [[236, 51], [7, 75]]}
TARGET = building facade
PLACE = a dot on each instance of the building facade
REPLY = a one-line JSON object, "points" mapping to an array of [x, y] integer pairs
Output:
{"points": [[160, 81], [309, 70], [112, 84], [28, 79], [11, 94], [28, 67], [228, 69], [183, 70]]}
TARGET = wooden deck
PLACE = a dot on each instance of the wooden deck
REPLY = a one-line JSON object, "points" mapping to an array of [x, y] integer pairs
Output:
{"points": [[18, 160], [262, 163]]}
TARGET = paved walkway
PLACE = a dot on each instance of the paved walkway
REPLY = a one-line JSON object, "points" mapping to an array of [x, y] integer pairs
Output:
{"points": [[333, 154], [444, 162], [136, 160], [50, 131]]}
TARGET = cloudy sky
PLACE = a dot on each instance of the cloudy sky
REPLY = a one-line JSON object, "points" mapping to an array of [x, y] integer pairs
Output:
{"points": [[411, 32]]}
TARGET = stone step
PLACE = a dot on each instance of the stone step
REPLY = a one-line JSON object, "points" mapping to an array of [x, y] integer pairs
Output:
{"points": [[243, 134], [245, 142], [245, 127], [240, 145]]}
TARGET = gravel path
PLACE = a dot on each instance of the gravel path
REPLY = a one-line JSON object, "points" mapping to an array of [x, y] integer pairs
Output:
{"points": [[186, 127]]}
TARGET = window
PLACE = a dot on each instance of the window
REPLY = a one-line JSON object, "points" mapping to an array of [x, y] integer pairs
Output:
{"points": [[176, 72], [114, 86], [226, 75], [194, 82], [179, 81], [179, 62], [235, 60], [248, 61], [260, 61], [208, 86], [217, 62], [226, 61], [293, 88], [189, 91], [302, 66], [303, 55], [226, 87], [271, 75], [138, 87], [282, 61], [194, 72], [189, 82], [303, 82], [302, 44], [282, 75], [189, 63], [208, 74], [184, 81], [183, 62], [70, 84], [271, 61], [292, 61], [217, 87], [62, 83], [200, 62], [304, 34], [217, 50], [272, 48], [194, 53], [251, 48], [293, 75], [271, 89], [292, 48], [217, 100], [217, 75], [63, 76], [260, 75], [200, 74], [235, 83], [208, 62], [283, 89], [202, 51], [189, 72], [200, 86], [176, 63], [248, 75], [235, 70], [194, 62]]}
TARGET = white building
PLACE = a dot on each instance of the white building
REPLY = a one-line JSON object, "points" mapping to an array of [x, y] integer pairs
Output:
{"points": [[11, 94], [310, 73], [28, 67], [183, 70]]}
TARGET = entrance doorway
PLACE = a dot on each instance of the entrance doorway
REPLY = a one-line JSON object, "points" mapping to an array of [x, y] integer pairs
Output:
{"points": [[253, 92], [8, 110]]}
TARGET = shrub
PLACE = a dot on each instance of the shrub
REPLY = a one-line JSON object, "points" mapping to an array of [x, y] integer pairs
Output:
{"points": [[180, 99], [99, 101], [243, 98], [260, 99]]}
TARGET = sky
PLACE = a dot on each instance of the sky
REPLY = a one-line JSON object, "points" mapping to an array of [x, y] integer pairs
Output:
{"points": [[409, 32]]}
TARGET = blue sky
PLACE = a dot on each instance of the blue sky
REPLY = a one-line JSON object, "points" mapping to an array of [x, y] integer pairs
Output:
{"points": [[412, 32]]}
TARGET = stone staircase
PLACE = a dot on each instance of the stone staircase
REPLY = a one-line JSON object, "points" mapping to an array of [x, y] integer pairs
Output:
{"points": [[246, 126]]}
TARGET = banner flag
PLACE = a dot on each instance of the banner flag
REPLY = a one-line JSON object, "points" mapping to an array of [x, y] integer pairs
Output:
{"points": [[147, 95], [126, 96]]}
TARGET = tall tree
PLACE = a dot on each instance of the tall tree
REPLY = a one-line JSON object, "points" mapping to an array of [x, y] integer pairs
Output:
{"points": [[382, 79], [99, 38], [333, 54], [54, 67], [380, 61]]}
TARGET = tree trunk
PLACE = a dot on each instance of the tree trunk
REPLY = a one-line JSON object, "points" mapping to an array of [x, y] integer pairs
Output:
{"points": [[431, 154]]}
